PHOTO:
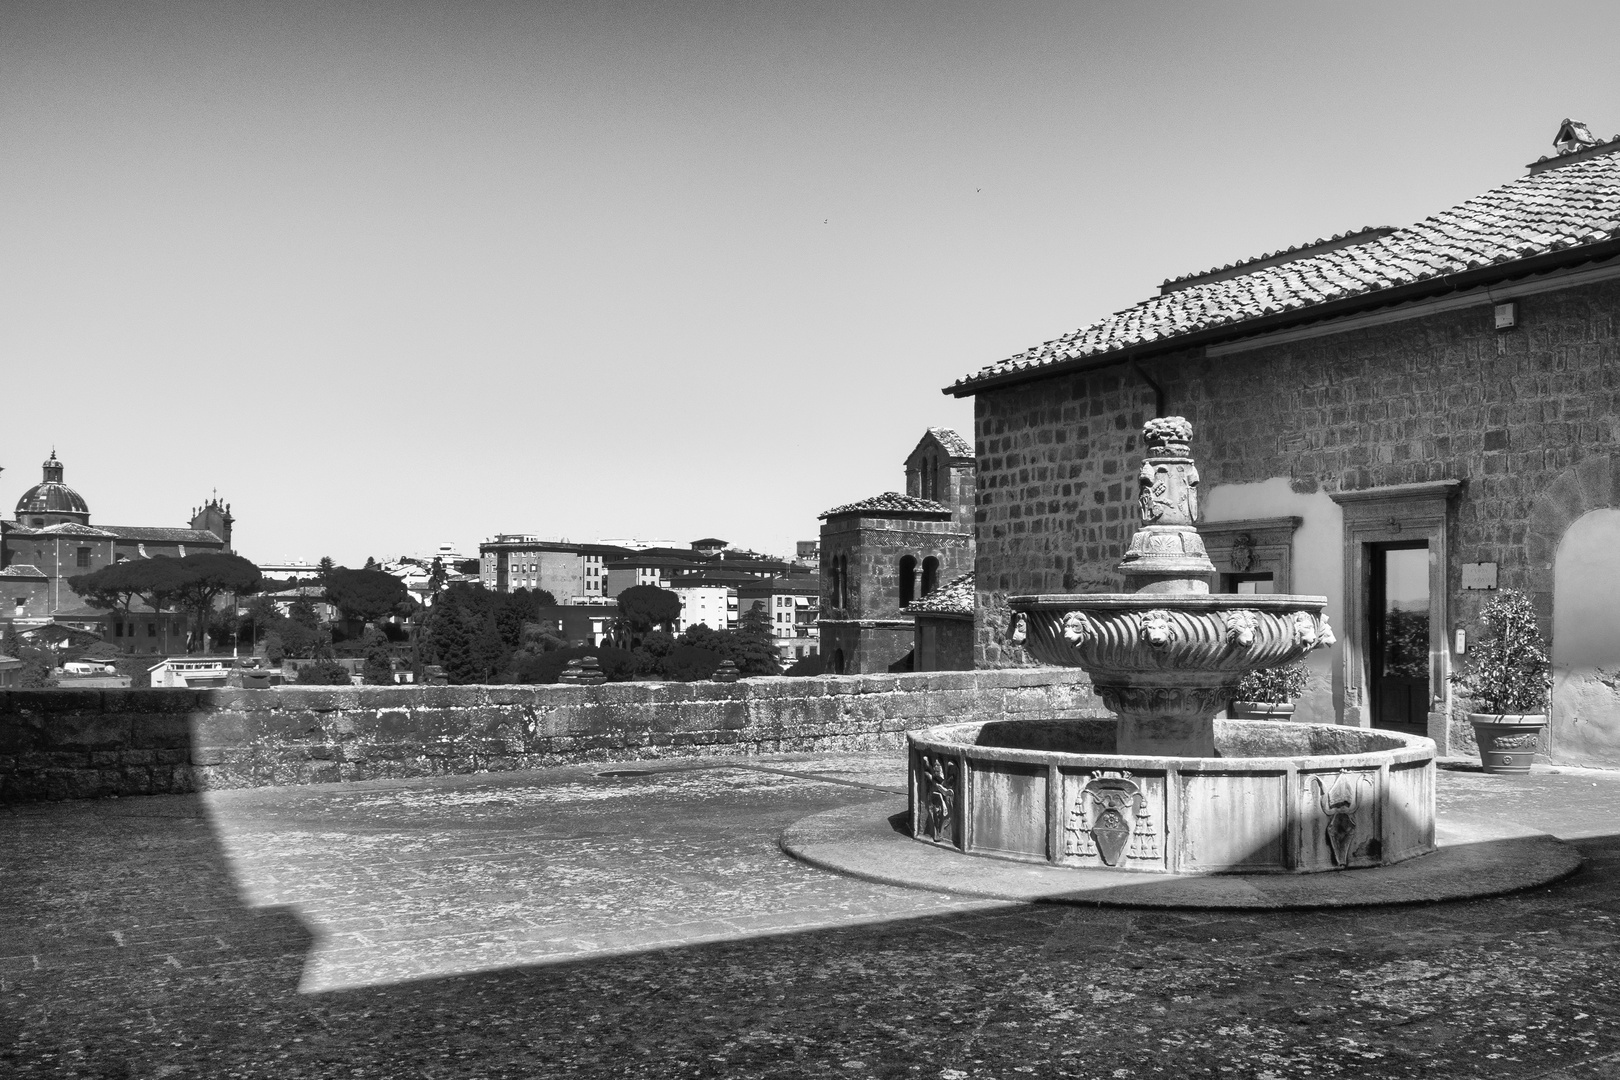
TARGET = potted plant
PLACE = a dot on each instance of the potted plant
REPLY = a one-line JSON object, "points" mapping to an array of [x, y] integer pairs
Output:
{"points": [[1269, 693], [1507, 678]]}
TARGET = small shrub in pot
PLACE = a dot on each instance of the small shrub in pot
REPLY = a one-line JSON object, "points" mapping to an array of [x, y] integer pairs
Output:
{"points": [[1504, 682], [1269, 693]]}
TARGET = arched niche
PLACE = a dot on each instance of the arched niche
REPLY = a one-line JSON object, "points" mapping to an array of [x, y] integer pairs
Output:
{"points": [[1586, 641]]}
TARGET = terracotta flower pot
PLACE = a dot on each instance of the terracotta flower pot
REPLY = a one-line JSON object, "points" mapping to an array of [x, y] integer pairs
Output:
{"points": [[1507, 742], [1262, 710]]}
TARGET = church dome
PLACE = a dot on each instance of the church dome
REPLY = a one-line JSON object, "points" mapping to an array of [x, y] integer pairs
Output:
{"points": [[51, 496]]}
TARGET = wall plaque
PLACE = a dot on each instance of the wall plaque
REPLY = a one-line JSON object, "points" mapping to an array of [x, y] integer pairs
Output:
{"points": [[1479, 575]]}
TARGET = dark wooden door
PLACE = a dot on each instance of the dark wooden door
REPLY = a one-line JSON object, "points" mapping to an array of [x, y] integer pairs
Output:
{"points": [[1398, 625]]}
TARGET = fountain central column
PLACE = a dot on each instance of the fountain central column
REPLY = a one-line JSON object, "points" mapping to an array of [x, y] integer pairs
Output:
{"points": [[1166, 558]]}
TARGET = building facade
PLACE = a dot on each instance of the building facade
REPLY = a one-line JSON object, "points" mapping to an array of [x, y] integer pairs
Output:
{"points": [[571, 573], [52, 540], [1403, 420], [880, 555]]}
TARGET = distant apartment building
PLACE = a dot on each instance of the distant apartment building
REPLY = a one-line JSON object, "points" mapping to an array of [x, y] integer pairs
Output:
{"points": [[571, 573], [625, 574], [794, 605], [712, 603], [291, 570], [579, 624]]}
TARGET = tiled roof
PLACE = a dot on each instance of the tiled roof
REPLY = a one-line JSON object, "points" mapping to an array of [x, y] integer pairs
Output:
{"points": [[1565, 209], [21, 570], [1288, 254], [955, 597], [953, 442], [72, 528], [892, 503], [155, 535]]}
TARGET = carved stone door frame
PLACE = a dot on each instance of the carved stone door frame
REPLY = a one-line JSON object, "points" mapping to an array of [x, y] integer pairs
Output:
{"points": [[1383, 515], [1253, 545]]}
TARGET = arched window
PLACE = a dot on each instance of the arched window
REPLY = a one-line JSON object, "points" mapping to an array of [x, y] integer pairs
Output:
{"points": [[908, 579], [930, 575]]}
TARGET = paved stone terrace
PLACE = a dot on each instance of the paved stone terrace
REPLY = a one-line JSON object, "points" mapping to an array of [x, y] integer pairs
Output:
{"points": [[557, 923]]}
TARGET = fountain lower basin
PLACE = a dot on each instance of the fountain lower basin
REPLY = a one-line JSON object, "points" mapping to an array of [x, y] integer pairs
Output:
{"points": [[1278, 798]]}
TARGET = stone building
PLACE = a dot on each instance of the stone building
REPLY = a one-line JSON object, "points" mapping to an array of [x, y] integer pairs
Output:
{"points": [[881, 554], [52, 541], [944, 627], [1402, 419], [571, 573]]}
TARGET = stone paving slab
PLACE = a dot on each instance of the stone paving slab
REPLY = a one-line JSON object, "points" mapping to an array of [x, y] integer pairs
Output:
{"points": [[559, 924]]}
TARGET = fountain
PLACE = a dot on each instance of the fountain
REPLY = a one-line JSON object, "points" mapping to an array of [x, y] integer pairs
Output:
{"points": [[1166, 787]]}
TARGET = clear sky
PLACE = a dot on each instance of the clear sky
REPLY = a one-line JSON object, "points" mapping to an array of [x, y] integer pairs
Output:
{"points": [[389, 274]]}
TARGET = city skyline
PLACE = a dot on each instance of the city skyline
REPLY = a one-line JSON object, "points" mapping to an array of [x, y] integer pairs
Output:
{"points": [[387, 278]]}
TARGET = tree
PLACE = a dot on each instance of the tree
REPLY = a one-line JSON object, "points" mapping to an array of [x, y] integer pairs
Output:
{"points": [[378, 668], [752, 646], [452, 646], [302, 612], [203, 578], [367, 595], [371, 563], [646, 607], [467, 566], [260, 617], [488, 650], [113, 587], [699, 636], [155, 582], [39, 662], [323, 673]]}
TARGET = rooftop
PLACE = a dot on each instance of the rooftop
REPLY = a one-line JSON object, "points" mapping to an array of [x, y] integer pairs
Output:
{"points": [[158, 535], [1551, 218], [955, 597], [892, 504], [952, 441]]}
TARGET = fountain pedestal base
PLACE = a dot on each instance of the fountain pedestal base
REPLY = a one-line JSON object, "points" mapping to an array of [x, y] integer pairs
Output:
{"points": [[1166, 736]]}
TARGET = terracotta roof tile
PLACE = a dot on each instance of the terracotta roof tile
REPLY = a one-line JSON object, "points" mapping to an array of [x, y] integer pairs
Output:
{"points": [[952, 441], [157, 535], [21, 570], [1557, 209], [955, 597], [892, 503]]}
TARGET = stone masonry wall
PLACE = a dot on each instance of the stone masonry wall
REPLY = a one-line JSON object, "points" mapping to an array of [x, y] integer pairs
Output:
{"points": [[62, 744], [875, 547], [1430, 398]]}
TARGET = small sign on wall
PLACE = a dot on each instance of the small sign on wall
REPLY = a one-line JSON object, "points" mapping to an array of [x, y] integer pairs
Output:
{"points": [[1479, 575]]}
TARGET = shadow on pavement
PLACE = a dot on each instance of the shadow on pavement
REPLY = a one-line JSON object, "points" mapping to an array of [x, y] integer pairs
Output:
{"points": [[129, 953]]}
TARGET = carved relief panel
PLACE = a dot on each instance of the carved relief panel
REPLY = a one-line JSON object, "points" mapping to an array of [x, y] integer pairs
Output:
{"points": [[1114, 819]]}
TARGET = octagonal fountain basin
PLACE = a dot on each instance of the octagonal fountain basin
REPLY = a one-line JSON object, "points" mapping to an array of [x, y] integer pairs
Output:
{"points": [[1277, 798]]}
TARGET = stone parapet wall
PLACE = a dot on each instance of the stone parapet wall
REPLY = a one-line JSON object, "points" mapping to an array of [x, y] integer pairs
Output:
{"points": [[63, 744]]}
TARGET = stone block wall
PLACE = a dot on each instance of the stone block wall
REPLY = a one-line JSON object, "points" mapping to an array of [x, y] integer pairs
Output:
{"points": [[874, 547], [1436, 397], [63, 744]]}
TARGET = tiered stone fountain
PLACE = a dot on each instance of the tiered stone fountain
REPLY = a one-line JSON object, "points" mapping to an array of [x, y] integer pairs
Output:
{"points": [[1166, 787]]}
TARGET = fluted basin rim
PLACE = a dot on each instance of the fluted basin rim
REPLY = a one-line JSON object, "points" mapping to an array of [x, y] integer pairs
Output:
{"points": [[958, 739], [1139, 601]]}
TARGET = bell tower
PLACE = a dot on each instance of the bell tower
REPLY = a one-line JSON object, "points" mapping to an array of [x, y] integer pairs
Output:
{"points": [[215, 516]]}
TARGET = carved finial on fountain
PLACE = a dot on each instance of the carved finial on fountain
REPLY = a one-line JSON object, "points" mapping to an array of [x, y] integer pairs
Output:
{"points": [[1167, 554]]}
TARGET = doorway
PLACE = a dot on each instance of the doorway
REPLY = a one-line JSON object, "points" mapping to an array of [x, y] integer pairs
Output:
{"points": [[1398, 644]]}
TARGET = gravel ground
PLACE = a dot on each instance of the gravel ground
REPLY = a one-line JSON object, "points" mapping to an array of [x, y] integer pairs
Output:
{"points": [[562, 923]]}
